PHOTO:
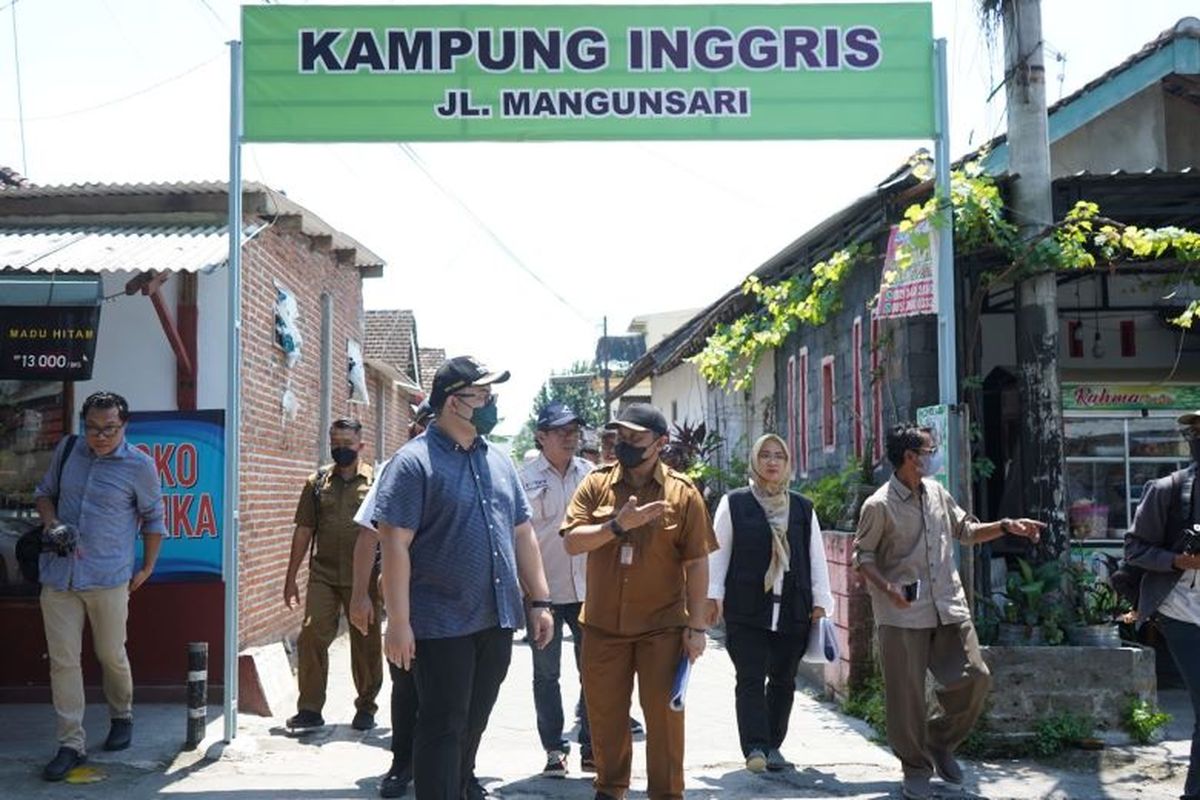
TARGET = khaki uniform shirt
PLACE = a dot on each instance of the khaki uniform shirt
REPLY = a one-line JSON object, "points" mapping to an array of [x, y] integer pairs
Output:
{"points": [[649, 593], [333, 523], [908, 536]]}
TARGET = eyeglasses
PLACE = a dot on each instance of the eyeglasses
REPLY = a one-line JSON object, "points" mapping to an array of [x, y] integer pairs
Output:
{"points": [[485, 398], [107, 432], [772, 457], [566, 432], [927, 451]]}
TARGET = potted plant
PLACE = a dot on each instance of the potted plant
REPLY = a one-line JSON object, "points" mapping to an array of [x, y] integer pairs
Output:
{"points": [[1031, 613], [1096, 607]]}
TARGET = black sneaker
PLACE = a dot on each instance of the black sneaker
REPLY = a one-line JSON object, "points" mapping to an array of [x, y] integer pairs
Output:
{"points": [[395, 783], [63, 762], [363, 721], [474, 790], [305, 721], [636, 728], [120, 734]]}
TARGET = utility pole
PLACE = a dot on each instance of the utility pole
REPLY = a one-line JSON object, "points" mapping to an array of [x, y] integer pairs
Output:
{"points": [[1042, 484], [604, 355]]}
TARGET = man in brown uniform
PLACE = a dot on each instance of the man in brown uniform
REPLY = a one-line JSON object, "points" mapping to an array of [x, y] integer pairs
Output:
{"points": [[647, 534], [904, 548], [325, 514]]}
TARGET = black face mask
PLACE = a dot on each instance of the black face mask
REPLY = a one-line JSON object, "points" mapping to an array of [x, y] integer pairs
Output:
{"points": [[343, 456], [630, 455], [1194, 444]]}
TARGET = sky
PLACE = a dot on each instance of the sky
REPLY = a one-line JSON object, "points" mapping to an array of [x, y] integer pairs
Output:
{"points": [[516, 252]]}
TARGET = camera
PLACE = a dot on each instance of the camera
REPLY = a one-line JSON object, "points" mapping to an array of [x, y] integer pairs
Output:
{"points": [[1189, 540], [60, 539], [912, 590]]}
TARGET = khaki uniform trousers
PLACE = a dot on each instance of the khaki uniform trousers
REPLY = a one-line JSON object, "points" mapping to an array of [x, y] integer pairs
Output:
{"points": [[324, 604], [609, 665], [63, 615], [951, 653]]}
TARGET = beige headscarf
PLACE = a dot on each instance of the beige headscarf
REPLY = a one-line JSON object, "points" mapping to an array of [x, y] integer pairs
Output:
{"points": [[773, 497]]}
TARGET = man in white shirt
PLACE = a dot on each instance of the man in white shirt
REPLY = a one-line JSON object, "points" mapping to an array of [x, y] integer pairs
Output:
{"points": [[550, 481]]}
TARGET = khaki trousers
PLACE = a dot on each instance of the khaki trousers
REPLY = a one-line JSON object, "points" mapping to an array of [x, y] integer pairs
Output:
{"points": [[951, 653], [609, 665], [323, 606], [63, 615]]}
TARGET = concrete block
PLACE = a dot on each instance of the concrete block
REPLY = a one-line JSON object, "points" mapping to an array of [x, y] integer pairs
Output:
{"points": [[267, 686]]}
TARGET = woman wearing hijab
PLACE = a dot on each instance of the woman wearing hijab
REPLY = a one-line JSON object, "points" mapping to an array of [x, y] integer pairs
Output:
{"points": [[770, 581]]}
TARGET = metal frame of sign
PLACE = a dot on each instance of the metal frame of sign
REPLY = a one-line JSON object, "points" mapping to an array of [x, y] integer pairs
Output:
{"points": [[947, 366]]}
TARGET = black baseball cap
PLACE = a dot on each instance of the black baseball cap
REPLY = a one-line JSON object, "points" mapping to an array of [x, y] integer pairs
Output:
{"points": [[640, 417], [458, 373], [556, 414]]}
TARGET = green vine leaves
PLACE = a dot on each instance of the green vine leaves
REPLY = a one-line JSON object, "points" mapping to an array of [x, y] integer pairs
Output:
{"points": [[1083, 240]]}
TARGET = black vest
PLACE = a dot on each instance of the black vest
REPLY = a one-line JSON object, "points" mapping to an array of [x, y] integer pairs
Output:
{"points": [[746, 602]]}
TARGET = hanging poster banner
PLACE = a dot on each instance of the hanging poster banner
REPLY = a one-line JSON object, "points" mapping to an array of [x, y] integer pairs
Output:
{"points": [[458, 73], [910, 282], [188, 448]]}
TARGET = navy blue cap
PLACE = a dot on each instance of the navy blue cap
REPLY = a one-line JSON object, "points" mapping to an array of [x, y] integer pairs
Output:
{"points": [[555, 414], [640, 417]]}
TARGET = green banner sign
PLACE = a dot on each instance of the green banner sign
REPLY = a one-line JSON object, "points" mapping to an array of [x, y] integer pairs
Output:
{"points": [[455, 73]]}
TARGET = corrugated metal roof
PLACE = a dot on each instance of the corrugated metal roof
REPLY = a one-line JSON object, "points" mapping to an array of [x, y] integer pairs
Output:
{"points": [[105, 248]]}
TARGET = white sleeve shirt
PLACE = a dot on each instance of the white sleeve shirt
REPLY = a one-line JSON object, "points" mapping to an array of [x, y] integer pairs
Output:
{"points": [[718, 563]]}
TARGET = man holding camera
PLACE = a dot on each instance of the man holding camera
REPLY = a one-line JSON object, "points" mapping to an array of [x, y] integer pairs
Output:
{"points": [[1163, 543], [92, 502], [904, 550]]}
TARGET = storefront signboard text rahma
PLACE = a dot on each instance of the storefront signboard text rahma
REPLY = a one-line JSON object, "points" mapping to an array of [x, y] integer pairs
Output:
{"points": [[512, 73]]}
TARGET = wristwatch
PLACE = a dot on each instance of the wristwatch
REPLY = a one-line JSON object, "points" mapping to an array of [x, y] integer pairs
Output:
{"points": [[541, 604], [616, 528], [1006, 525]]}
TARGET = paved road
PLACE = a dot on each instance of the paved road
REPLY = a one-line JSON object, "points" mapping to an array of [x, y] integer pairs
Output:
{"points": [[834, 754]]}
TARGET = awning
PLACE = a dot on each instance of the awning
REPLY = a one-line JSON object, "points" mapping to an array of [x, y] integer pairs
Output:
{"points": [[104, 248]]}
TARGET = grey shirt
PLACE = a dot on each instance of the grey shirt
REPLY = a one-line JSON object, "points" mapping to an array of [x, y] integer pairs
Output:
{"points": [[107, 499], [909, 536]]}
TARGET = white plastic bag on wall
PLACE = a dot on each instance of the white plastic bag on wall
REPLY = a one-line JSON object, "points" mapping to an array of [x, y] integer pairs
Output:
{"points": [[356, 375], [287, 324]]}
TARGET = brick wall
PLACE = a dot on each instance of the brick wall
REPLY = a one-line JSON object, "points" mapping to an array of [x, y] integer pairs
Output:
{"points": [[391, 412], [853, 618], [278, 454]]}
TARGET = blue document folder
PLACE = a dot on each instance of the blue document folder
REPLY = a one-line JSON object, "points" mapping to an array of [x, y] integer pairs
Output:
{"points": [[680, 684]]}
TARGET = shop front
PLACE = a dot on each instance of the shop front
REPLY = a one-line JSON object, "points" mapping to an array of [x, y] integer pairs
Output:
{"points": [[1118, 437]]}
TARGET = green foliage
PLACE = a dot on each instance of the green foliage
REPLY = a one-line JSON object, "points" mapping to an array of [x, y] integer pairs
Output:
{"points": [[1033, 598], [579, 396], [1093, 600], [867, 703], [830, 495], [1141, 720], [808, 298], [1054, 733]]}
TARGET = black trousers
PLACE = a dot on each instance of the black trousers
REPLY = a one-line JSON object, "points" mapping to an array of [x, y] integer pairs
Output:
{"points": [[763, 657], [404, 718], [458, 680]]}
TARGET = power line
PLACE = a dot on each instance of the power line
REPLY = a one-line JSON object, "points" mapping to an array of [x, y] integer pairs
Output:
{"points": [[20, 103], [129, 96], [491, 234]]}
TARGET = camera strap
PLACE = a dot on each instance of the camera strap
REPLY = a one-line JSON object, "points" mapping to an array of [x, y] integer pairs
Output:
{"points": [[68, 448]]}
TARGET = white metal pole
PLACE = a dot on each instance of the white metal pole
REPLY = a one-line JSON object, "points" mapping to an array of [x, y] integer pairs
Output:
{"points": [[947, 326], [233, 382]]}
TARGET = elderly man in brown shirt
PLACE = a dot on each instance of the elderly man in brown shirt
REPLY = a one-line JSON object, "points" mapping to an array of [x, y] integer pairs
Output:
{"points": [[647, 534], [903, 548], [325, 529]]}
